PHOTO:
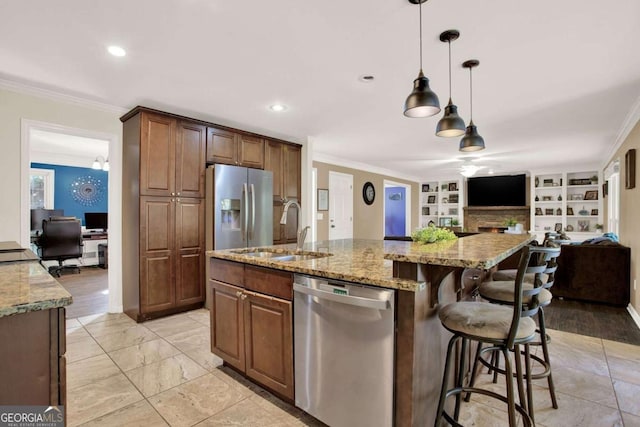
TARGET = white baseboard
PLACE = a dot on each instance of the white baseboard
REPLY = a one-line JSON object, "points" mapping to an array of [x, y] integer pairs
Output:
{"points": [[116, 309], [634, 315]]}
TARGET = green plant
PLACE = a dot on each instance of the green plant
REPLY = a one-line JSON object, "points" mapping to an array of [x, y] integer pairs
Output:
{"points": [[594, 179], [432, 234], [510, 222], [454, 221], [599, 227]]}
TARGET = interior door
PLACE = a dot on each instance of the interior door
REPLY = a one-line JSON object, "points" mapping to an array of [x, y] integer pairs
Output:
{"points": [[340, 206]]}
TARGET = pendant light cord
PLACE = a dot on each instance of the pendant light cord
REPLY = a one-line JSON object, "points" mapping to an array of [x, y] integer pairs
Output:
{"points": [[471, 92], [449, 70], [420, 36]]}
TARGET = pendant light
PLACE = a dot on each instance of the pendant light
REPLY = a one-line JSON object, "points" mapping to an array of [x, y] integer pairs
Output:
{"points": [[422, 101], [471, 141], [451, 124]]}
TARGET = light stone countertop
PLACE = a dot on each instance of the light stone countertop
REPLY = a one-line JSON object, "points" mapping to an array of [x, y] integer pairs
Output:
{"points": [[371, 261], [27, 286]]}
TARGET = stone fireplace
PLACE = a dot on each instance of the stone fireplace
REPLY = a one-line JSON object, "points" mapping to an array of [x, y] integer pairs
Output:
{"points": [[492, 218]]}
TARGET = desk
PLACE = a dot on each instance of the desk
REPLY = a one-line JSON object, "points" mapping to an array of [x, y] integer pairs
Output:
{"points": [[90, 250]]}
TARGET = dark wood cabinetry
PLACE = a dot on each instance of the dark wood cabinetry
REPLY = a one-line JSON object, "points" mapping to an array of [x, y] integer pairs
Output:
{"points": [[284, 161], [232, 148], [163, 269], [252, 331]]}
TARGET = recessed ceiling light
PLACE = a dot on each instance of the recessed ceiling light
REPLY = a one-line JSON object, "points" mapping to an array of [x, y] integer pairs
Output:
{"points": [[277, 107], [366, 78], [116, 51]]}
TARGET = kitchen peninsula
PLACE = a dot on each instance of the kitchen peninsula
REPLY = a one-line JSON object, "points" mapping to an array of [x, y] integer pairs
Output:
{"points": [[32, 332], [423, 276]]}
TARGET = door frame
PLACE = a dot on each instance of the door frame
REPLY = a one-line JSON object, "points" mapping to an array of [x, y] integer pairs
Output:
{"points": [[334, 173], [407, 204], [114, 273]]}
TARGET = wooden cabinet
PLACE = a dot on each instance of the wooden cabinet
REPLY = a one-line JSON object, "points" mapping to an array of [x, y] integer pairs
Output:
{"points": [[172, 155], [252, 331], [232, 148], [163, 217], [284, 161]]}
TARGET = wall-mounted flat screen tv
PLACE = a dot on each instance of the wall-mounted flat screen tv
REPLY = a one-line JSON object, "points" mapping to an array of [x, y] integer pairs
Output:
{"points": [[504, 190]]}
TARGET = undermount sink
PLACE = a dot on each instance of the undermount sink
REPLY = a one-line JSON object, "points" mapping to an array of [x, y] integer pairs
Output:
{"points": [[284, 256]]}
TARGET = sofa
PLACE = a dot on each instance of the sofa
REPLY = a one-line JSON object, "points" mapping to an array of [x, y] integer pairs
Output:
{"points": [[594, 272]]}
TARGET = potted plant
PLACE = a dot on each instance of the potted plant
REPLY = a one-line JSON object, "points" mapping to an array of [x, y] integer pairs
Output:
{"points": [[511, 223], [599, 227], [594, 179], [455, 222]]}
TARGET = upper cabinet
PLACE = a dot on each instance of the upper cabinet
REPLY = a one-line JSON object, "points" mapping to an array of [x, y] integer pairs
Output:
{"points": [[233, 148], [171, 156]]}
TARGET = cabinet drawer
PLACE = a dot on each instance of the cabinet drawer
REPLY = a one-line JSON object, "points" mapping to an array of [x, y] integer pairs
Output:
{"points": [[271, 282], [227, 271]]}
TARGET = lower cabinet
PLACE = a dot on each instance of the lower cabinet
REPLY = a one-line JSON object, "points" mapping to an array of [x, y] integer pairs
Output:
{"points": [[252, 331]]}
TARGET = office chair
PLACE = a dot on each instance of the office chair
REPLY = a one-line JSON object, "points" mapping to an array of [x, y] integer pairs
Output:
{"points": [[61, 239]]}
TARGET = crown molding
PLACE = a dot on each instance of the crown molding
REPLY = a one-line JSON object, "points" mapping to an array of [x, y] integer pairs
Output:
{"points": [[58, 95], [630, 121], [327, 158]]}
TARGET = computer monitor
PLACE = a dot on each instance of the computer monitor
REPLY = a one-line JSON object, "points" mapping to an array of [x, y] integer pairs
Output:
{"points": [[96, 220], [37, 215]]}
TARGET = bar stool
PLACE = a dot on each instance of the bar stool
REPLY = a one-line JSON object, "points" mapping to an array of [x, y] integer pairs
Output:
{"points": [[503, 293], [502, 327]]}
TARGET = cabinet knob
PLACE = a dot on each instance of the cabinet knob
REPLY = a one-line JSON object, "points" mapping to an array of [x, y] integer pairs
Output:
{"points": [[178, 200], [178, 193], [173, 194], [173, 200], [239, 294], [243, 297]]}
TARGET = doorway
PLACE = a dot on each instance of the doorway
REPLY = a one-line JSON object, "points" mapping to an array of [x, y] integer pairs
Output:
{"points": [[34, 130], [340, 206], [397, 209]]}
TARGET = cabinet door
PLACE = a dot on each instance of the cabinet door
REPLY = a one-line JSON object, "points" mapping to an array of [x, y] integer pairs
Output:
{"points": [[157, 255], [269, 342], [189, 251], [292, 174], [273, 161], [221, 146], [251, 151], [227, 324], [157, 155], [190, 159]]}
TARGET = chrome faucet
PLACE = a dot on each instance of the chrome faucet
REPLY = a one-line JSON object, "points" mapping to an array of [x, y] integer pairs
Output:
{"points": [[302, 233]]}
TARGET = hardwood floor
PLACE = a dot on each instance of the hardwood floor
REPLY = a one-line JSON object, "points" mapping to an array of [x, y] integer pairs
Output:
{"points": [[89, 290], [594, 320]]}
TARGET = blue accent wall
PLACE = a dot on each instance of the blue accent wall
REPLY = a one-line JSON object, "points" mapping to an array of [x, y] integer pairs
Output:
{"points": [[78, 190], [395, 210]]}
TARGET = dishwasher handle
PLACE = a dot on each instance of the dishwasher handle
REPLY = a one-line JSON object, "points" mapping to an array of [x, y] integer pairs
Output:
{"points": [[344, 299]]}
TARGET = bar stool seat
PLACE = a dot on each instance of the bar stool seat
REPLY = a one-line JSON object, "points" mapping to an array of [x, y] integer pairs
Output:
{"points": [[510, 275], [501, 292], [482, 321]]}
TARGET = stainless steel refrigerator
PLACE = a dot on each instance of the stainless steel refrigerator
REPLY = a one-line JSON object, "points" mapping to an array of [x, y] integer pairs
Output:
{"points": [[239, 207]]}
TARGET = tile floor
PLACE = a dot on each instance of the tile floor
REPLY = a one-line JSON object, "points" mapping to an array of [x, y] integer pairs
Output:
{"points": [[162, 373]]}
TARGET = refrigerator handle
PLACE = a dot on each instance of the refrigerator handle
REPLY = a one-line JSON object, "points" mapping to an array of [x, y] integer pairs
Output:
{"points": [[253, 211], [244, 217]]}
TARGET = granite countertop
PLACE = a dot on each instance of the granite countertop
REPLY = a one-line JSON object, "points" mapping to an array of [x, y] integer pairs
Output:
{"points": [[27, 286], [371, 261]]}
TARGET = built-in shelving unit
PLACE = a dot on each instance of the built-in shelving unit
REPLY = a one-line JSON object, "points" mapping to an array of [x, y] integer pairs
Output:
{"points": [[441, 203], [571, 201]]}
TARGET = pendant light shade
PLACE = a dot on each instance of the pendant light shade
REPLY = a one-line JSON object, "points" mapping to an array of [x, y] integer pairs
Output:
{"points": [[471, 141], [451, 124], [422, 101]]}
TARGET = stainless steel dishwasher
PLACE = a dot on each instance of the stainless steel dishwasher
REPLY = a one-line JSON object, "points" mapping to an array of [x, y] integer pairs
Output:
{"points": [[344, 351]]}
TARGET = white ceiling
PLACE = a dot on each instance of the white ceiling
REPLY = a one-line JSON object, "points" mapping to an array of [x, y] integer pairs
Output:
{"points": [[556, 81], [69, 150]]}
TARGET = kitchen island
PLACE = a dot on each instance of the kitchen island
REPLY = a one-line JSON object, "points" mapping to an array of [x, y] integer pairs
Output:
{"points": [[32, 333], [424, 277]]}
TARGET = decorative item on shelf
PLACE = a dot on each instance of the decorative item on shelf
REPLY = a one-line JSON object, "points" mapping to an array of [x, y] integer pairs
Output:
{"points": [[558, 227], [451, 124], [431, 224], [431, 199], [560, 182], [599, 227], [471, 141], [583, 212], [569, 211], [445, 187], [583, 225], [455, 222], [546, 198], [453, 198], [453, 186], [537, 199], [569, 227], [548, 211], [422, 101], [538, 211], [425, 188], [594, 179], [559, 197], [547, 182], [511, 223], [547, 228], [594, 212], [426, 210], [591, 195], [537, 181], [453, 211], [445, 200], [630, 169], [559, 211], [576, 197], [444, 221]]}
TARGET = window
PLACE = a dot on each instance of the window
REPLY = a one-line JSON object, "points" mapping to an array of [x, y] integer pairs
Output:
{"points": [[41, 188]]}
